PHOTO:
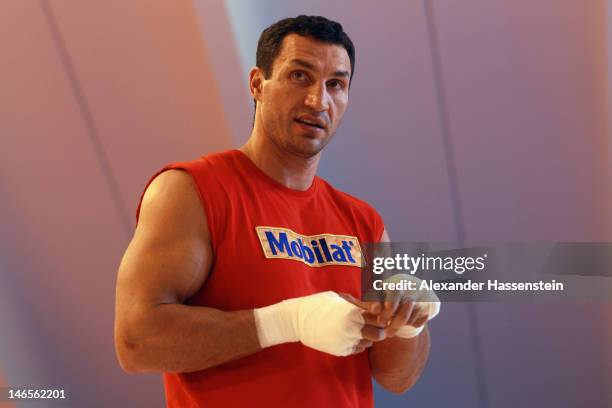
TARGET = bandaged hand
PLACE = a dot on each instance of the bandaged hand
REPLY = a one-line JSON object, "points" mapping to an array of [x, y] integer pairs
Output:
{"points": [[323, 321], [407, 311]]}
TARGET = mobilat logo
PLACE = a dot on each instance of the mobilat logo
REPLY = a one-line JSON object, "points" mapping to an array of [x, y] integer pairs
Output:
{"points": [[313, 250]]}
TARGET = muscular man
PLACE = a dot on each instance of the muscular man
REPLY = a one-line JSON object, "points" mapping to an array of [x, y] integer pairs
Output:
{"points": [[242, 278]]}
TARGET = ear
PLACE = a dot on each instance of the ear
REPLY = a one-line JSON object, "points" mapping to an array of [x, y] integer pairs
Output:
{"points": [[256, 78]]}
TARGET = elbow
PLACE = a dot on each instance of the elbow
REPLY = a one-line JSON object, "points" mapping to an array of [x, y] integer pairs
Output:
{"points": [[397, 386], [127, 362], [127, 367], [128, 354], [126, 358]]}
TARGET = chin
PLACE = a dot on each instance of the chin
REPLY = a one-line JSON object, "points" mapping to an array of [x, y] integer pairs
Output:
{"points": [[307, 150], [306, 153]]}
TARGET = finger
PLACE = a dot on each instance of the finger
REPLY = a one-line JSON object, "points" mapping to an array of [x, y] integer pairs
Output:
{"points": [[372, 307], [421, 321], [372, 333], [375, 307], [388, 311], [417, 314], [404, 312], [372, 320]]}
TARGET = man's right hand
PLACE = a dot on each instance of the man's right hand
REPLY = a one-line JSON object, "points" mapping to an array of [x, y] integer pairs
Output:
{"points": [[324, 321]]}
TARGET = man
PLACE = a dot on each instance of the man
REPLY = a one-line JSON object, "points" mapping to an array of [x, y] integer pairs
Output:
{"points": [[242, 279]]}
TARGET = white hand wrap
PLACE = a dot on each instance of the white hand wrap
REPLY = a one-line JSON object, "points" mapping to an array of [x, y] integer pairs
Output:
{"points": [[323, 321], [426, 303]]}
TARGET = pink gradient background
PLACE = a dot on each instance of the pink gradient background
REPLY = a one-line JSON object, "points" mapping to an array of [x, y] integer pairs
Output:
{"points": [[475, 120]]}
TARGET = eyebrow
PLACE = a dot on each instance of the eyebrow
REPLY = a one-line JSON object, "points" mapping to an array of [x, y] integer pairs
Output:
{"points": [[308, 65]]}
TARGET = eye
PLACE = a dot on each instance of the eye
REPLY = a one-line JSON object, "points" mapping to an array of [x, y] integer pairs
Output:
{"points": [[335, 84], [299, 76]]}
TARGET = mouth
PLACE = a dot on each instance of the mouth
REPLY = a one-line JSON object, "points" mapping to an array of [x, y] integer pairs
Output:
{"points": [[313, 123]]}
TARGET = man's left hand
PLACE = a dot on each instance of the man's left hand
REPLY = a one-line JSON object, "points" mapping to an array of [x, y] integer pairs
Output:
{"points": [[403, 311]]}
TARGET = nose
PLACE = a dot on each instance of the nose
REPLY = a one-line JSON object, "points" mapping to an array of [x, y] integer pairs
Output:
{"points": [[317, 98]]}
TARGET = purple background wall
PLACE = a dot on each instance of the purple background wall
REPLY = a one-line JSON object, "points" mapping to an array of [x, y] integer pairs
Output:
{"points": [[484, 120]]}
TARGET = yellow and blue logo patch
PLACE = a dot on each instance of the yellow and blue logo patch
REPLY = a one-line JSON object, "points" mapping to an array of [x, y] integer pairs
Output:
{"points": [[313, 250]]}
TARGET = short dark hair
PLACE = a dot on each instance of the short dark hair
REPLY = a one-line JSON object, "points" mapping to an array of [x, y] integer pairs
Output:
{"points": [[316, 27]]}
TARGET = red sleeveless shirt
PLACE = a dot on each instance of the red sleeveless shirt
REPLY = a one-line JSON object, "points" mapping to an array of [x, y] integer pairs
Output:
{"points": [[272, 243]]}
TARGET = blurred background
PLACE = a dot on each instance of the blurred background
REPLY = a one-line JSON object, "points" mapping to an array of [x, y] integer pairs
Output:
{"points": [[472, 120]]}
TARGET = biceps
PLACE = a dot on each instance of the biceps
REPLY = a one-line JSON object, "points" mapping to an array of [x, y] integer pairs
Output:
{"points": [[162, 271]]}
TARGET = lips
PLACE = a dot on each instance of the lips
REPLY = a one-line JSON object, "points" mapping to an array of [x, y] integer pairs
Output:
{"points": [[311, 121]]}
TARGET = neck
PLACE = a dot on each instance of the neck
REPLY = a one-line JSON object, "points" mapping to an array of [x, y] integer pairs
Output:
{"points": [[292, 171]]}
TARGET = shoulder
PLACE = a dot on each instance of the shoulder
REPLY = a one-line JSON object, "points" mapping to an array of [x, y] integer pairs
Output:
{"points": [[172, 199], [212, 162], [188, 179], [170, 183], [213, 172], [189, 192]]}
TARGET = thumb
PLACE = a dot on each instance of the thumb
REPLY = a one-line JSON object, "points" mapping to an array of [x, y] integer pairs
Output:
{"points": [[372, 307]]}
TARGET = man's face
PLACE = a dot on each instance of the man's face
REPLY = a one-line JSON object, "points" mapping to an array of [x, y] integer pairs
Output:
{"points": [[302, 103]]}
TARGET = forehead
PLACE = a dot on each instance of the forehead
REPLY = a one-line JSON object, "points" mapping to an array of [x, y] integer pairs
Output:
{"points": [[324, 56]]}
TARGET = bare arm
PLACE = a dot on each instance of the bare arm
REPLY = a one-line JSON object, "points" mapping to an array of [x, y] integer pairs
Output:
{"points": [[397, 363], [167, 261]]}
